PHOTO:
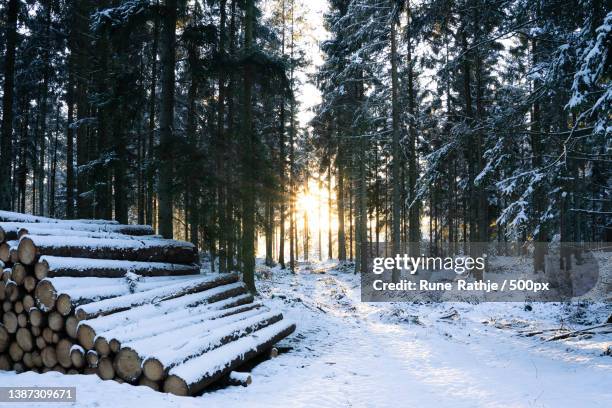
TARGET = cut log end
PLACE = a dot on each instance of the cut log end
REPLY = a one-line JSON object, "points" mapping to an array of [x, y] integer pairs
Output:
{"points": [[63, 304], [63, 351], [24, 339], [128, 365], [176, 385], [71, 326], [26, 251], [153, 369], [45, 294], [77, 357], [41, 270], [19, 273], [148, 383], [86, 335], [106, 371], [101, 346]]}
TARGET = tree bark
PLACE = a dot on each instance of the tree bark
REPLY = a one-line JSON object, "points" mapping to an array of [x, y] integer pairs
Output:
{"points": [[166, 119], [6, 142]]}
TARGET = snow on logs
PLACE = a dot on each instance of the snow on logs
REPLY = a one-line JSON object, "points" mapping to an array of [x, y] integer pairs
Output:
{"points": [[96, 296], [31, 247]]}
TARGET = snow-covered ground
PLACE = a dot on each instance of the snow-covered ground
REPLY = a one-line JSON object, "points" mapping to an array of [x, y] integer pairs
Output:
{"points": [[352, 354]]}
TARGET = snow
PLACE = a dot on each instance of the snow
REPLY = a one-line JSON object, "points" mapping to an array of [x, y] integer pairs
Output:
{"points": [[172, 347], [199, 367], [81, 264], [347, 353], [155, 295], [27, 218], [75, 227], [108, 322], [89, 289], [102, 244], [182, 317]]}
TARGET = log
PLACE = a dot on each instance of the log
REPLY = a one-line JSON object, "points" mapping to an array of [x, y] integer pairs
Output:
{"points": [[87, 329], [24, 339], [9, 216], [27, 360], [18, 307], [148, 383], [183, 380], [63, 304], [15, 352], [102, 347], [86, 336], [28, 303], [58, 368], [108, 231], [106, 371], [53, 266], [13, 255], [47, 334], [92, 358], [10, 322], [223, 283], [90, 370], [273, 352], [31, 247], [49, 357], [7, 306], [164, 357], [22, 320], [164, 320], [10, 289], [5, 339], [63, 350], [40, 343], [114, 345], [56, 321], [6, 273], [18, 367], [128, 364], [2, 290], [5, 254], [72, 324], [37, 359], [77, 356], [19, 273], [237, 378], [5, 363], [36, 331], [87, 290], [29, 283], [37, 318]]}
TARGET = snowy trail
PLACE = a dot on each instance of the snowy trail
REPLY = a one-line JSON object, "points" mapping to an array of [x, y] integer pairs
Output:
{"points": [[351, 354], [357, 360]]}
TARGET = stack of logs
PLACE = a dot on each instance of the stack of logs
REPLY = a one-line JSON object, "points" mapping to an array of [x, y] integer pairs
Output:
{"points": [[95, 296]]}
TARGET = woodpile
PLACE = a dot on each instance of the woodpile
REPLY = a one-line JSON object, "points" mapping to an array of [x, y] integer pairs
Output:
{"points": [[95, 296]]}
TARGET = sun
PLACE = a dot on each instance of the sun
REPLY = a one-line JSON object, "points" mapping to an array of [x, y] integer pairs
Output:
{"points": [[308, 201]]}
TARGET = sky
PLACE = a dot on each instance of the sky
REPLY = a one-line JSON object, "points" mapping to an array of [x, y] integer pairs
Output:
{"points": [[308, 94]]}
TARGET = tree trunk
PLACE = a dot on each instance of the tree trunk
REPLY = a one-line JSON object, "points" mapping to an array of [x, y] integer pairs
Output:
{"points": [[249, 172], [6, 142], [166, 119]]}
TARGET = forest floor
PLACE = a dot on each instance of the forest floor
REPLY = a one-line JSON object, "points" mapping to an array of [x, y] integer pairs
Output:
{"points": [[351, 354]]}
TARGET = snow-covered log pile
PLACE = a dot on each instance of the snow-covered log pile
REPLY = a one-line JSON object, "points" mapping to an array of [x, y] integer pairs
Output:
{"points": [[95, 296]]}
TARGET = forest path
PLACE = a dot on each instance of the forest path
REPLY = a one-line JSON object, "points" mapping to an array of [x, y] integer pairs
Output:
{"points": [[353, 354]]}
